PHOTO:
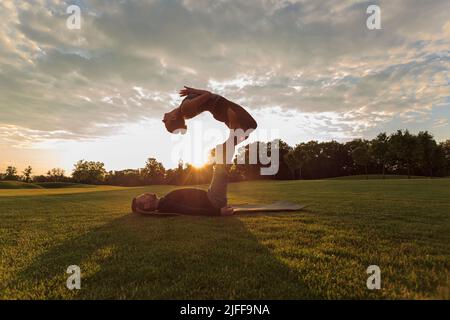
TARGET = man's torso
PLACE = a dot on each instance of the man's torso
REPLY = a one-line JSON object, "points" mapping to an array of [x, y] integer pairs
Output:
{"points": [[188, 197]]}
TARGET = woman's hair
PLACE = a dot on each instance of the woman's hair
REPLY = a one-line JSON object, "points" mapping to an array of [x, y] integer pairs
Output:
{"points": [[174, 124]]}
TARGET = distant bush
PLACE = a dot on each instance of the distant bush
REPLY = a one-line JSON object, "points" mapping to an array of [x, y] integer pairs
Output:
{"points": [[58, 185], [18, 185]]}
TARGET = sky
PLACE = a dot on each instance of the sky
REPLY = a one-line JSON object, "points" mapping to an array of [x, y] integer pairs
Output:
{"points": [[306, 69]]}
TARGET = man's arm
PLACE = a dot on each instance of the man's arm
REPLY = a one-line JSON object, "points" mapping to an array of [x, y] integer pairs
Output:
{"points": [[187, 210]]}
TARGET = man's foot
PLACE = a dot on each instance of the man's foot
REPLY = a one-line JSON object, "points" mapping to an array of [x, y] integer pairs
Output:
{"points": [[227, 211]]}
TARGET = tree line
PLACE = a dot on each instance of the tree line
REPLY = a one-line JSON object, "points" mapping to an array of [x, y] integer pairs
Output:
{"points": [[399, 153]]}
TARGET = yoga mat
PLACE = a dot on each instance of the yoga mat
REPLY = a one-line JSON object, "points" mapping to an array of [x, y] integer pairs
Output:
{"points": [[279, 206]]}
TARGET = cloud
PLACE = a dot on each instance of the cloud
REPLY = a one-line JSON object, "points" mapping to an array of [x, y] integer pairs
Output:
{"points": [[442, 122], [128, 59]]}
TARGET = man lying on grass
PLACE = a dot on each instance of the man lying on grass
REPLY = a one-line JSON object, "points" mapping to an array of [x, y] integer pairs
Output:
{"points": [[191, 201]]}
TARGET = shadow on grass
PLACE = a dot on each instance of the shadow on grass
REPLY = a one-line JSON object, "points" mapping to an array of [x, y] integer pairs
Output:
{"points": [[136, 257]]}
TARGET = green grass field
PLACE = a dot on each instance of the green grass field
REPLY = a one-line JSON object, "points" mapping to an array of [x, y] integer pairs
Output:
{"points": [[41, 185], [377, 177], [403, 226]]}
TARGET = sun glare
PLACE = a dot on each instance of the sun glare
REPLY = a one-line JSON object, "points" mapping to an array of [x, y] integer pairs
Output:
{"points": [[198, 164]]}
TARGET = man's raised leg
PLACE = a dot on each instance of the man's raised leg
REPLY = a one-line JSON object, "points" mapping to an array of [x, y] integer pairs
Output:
{"points": [[217, 192]]}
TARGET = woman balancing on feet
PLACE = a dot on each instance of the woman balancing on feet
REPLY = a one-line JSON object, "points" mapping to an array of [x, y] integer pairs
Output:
{"points": [[198, 101], [190, 201]]}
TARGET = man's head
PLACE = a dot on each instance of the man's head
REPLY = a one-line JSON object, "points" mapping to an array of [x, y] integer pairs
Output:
{"points": [[145, 203], [174, 121]]}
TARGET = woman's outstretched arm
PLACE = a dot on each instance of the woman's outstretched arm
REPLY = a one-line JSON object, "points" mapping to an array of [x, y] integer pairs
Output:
{"points": [[191, 107]]}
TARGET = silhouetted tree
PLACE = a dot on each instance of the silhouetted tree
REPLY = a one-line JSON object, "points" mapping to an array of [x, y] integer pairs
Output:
{"points": [[427, 153], [283, 149], [334, 159], [56, 175], [446, 154], [27, 174], [247, 161], [154, 171], [296, 159], [126, 178], [403, 149], [11, 174], [312, 168], [439, 161], [361, 156], [379, 149], [89, 172]]}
